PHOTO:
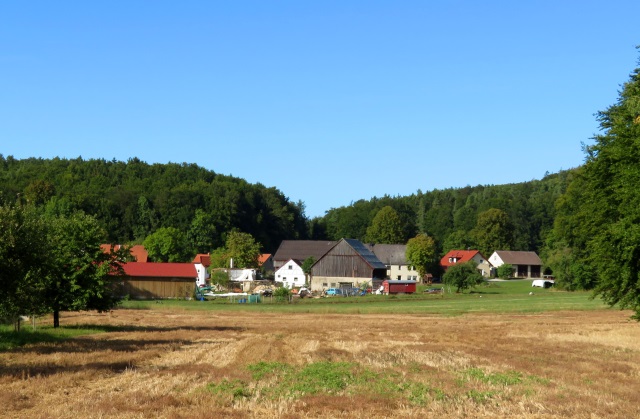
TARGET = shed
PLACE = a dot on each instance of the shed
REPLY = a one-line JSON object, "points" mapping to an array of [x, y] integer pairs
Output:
{"points": [[399, 287], [158, 280], [525, 264]]}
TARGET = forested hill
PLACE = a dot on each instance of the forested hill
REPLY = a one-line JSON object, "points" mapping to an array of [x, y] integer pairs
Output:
{"points": [[451, 216], [133, 199]]}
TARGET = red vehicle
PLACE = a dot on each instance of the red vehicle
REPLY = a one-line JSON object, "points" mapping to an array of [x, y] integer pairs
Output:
{"points": [[399, 286]]}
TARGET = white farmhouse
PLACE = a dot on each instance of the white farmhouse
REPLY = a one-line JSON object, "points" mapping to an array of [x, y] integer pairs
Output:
{"points": [[291, 275], [202, 262], [525, 264]]}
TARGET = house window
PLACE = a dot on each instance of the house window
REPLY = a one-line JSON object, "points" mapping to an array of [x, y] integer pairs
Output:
{"points": [[399, 277], [450, 260], [325, 285]]}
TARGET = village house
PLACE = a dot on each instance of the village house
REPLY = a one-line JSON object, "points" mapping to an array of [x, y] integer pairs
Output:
{"points": [[265, 262], [394, 257], [454, 257], [291, 275], [202, 263], [138, 252]]}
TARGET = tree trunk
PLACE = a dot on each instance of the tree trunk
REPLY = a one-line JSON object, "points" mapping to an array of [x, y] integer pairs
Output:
{"points": [[56, 319]]}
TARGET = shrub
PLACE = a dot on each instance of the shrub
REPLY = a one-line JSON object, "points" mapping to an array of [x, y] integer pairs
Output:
{"points": [[282, 294], [505, 271], [462, 276]]}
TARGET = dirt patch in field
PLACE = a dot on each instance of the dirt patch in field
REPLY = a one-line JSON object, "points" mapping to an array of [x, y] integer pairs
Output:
{"points": [[160, 363]]}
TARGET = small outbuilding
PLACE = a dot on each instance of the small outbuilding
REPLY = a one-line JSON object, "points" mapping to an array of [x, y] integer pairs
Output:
{"points": [[157, 280], [399, 287], [525, 264]]}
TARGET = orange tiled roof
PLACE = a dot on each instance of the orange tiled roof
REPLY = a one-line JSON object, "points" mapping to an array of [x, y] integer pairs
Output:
{"points": [[263, 258], [460, 256], [137, 251], [204, 259]]}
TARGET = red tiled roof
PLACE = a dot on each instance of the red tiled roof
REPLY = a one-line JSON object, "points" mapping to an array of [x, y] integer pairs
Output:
{"points": [[205, 260], [140, 253], [164, 270], [460, 256], [137, 251], [263, 258]]}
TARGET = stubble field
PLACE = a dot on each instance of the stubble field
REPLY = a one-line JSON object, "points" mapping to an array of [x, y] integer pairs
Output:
{"points": [[199, 364]]}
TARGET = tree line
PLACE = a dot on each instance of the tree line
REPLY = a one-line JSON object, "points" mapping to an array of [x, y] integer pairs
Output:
{"points": [[134, 199], [196, 209]]}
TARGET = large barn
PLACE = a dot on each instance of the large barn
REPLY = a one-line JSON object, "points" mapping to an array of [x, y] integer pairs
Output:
{"points": [[349, 263]]}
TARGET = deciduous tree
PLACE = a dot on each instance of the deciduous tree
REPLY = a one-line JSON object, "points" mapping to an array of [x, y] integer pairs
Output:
{"points": [[23, 249], [420, 252], [493, 231], [609, 202], [80, 275], [168, 244], [243, 249], [386, 227], [462, 276]]}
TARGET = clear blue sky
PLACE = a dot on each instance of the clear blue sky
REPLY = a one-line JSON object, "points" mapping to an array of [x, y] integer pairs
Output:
{"points": [[329, 101]]}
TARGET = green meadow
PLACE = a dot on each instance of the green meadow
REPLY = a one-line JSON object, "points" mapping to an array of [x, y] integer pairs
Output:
{"points": [[492, 297]]}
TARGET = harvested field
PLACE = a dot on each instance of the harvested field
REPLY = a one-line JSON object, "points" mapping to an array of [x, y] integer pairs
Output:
{"points": [[177, 363]]}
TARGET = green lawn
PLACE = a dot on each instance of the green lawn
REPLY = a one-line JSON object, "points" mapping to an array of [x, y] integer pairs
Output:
{"points": [[494, 297]]}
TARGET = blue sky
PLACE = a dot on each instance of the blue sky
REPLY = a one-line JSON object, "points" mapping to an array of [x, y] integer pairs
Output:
{"points": [[329, 101]]}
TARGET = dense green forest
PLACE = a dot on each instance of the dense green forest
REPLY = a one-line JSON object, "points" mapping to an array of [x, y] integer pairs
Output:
{"points": [[134, 199], [451, 215]]}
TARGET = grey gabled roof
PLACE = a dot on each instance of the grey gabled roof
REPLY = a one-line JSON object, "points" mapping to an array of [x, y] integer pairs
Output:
{"points": [[519, 258], [366, 254], [390, 254], [300, 250]]}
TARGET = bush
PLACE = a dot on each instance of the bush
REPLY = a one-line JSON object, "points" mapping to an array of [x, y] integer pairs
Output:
{"points": [[282, 294], [462, 276], [505, 271]]}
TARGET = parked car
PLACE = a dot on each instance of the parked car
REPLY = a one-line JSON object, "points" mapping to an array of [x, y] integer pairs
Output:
{"points": [[355, 292], [334, 291], [543, 283], [268, 292], [433, 291]]}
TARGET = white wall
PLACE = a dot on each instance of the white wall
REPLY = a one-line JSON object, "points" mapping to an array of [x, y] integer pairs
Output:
{"points": [[202, 274], [404, 272], [495, 260], [291, 275]]}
